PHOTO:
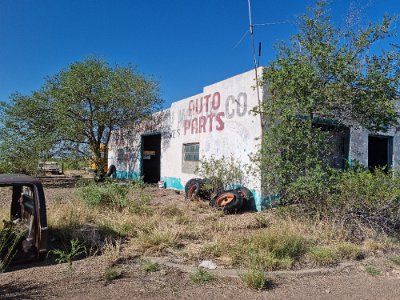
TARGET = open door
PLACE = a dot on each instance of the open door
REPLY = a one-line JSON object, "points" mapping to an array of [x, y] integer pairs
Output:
{"points": [[151, 158], [380, 150]]}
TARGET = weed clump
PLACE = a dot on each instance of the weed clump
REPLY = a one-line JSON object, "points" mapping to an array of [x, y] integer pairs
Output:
{"points": [[323, 256], [201, 276], [67, 256], [255, 278], [132, 196], [372, 270], [10, 236], [349, 251], [396, 260], [150, 267], [112, 273], [105, 194], [270, 249]]}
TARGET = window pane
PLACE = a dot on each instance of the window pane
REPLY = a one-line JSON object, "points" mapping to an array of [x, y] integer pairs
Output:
{"points": [[191, 152]]}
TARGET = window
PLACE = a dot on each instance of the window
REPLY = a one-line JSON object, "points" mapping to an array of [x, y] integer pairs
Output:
{"points": [[120, 155], [191, 152], [190, 157]]}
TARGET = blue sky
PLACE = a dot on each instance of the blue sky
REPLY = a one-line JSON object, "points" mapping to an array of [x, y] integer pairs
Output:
{"points": [[184, 44]]}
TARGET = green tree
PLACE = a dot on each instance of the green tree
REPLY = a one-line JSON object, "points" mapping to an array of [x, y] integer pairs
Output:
{"points": [[324, 76], [77, 109], [27, 133]]}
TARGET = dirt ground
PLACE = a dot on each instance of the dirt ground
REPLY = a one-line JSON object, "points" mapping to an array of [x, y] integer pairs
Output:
{"points": [[86, 280]]}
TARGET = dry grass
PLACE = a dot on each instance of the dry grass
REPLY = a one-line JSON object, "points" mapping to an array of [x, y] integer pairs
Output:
{"points": [[169, 225], [112, 250]]}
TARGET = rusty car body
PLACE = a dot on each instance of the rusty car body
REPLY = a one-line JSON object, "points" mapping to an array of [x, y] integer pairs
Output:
{"points": [[28, 210]]}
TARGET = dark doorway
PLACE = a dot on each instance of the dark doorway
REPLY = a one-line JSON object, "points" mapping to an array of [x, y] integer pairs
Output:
{"points": [[151, 154], [379, 152]]}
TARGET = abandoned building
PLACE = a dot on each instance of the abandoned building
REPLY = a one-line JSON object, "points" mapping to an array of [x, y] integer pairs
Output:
{"points": [[219, 122]]}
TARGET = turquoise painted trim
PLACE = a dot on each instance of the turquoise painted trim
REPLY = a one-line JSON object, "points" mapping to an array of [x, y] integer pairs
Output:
{"points": [[350, 160], [257, 200], [127, 175], [269, 201], [173, 183]]}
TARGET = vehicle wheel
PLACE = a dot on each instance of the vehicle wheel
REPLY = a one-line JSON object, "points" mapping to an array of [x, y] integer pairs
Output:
{"points": [[229, 201], [192, 188], [247, 196]]}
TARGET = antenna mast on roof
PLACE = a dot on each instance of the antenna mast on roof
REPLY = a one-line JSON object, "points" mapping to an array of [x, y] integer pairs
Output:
{"points": [[255, 63]]}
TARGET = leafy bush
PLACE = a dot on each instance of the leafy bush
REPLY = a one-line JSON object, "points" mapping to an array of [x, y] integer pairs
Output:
{"points": [[227, 173], [356, 199]]}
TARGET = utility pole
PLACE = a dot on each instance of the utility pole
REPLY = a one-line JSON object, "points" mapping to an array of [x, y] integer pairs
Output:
{"points": [[255, 63]]}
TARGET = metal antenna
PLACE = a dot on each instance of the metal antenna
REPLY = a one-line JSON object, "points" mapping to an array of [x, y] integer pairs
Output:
{"points": [[255, 63]]}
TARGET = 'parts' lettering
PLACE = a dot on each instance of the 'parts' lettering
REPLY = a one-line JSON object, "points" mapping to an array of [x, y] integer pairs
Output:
{"points": [[204, 115]]}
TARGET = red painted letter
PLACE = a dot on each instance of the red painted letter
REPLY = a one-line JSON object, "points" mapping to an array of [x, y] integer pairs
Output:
{"points": [[210, 118], [186, 125], [194, 126], [221, 125], [191, 107], [202, 124], [199, 107], [216, 100], [207, 98]]}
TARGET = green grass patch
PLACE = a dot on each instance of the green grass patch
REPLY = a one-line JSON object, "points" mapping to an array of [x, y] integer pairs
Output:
{"points": [[372, 270], [262, 221], [201, 276], [150, 267], [255, 278], [349, 251], [323, 256], [395, 259], [104, 194], [159, 239], [112, 273], [277, 247]]}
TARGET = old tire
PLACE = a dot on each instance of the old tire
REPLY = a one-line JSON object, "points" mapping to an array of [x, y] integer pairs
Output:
{"points": [[192, 188], [228, 201], [248, 198], [246, 194]]}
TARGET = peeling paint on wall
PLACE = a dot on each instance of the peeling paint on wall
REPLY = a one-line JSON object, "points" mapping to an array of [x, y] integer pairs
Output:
{"points": [[219, 119]]}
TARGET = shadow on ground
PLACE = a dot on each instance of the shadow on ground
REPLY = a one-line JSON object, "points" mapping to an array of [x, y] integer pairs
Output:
{"points": [[20, 290]]}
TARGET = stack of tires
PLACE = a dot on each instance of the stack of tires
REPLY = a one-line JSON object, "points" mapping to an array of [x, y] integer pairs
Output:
{"points": [[230, 201]]}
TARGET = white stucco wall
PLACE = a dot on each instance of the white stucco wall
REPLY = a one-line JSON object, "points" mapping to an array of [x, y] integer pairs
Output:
{"points": [[220, 119]]}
